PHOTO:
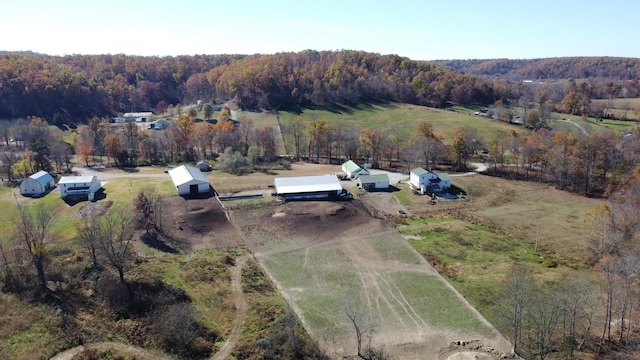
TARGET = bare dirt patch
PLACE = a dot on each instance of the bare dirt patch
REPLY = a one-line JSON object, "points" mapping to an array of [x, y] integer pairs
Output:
{"points": [[92, 209], [197, 224]]}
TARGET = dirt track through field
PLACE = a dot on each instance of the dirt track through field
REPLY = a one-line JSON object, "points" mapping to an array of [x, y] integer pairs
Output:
{"points": [[334, 238], [241, 310]]}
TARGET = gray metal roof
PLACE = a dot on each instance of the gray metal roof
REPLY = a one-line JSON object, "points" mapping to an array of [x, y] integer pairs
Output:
{"points": [[306, 184], [371, 179], [42, 177]]}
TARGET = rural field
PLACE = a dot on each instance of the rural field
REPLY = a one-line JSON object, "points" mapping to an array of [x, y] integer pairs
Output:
{"points": [[416, 283], [330, 259]]}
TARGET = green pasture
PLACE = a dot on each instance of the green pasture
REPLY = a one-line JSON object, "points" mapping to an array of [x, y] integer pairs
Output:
{"points": [[321, 278], [125, 189], [474, 258], [628, 109], [404, 119]]}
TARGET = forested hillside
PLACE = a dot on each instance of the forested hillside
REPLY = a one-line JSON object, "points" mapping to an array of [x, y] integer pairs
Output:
{"points": [[611, 68], [77, 87]]}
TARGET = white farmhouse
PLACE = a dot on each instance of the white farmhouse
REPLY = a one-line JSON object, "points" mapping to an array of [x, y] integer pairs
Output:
{"points": [[426, 181], [189, 180], [79, 187], [37, 184]]}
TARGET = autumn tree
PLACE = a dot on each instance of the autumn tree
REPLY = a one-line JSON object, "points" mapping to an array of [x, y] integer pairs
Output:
{"points": [[459, 148], [267, 143], [296, 128], [131, 136], [113, 146], [225, 134], [428, 145], [84, 149], [318, 130], [97, 133], [373, 142], [208, 111]]}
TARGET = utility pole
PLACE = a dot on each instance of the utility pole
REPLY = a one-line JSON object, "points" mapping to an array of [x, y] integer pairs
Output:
{"points": [[535, 250]]}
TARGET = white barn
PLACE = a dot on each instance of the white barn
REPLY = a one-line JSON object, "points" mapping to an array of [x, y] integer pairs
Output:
{"points": [[353, 170], [138, 116], [322, 187], [79, 187], [373, 182], [37, 184], [189, 180]]}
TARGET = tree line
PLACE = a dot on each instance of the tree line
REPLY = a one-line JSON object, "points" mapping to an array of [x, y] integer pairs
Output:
{"points": [[601, 67], [75, 88]]}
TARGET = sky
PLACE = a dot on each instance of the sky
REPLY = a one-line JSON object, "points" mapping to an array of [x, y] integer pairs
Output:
{"points": [[419, 30]]}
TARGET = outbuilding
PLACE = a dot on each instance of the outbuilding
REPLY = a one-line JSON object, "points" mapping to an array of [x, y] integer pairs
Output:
{"points": [[203, 165], [321, 187], [189, 180], [78, 187], [38, 184], [159, 124], [138, 117], [373, 182], [353, 170]]}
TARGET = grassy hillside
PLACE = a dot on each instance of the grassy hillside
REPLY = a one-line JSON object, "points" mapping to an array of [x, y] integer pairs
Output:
{"points": [[404, 119]]}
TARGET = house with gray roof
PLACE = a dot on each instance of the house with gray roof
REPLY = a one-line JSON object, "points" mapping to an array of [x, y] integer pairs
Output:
{"points": [[426, 181]]}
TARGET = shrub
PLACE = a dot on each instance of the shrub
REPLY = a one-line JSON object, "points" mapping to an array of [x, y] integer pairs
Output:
{"points": [[550, 263]]}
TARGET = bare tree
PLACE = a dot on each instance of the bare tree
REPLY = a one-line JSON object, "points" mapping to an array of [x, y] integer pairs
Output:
{"points": [[578, 296], [542, 317], [33, 230], [518, 287], [115, 236], [89, 232], [364, 327]]}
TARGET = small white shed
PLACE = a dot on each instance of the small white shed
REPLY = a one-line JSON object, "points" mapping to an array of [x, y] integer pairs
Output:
{"points": [[189, 180], [79, 187], [37, 184], [353, 170]]}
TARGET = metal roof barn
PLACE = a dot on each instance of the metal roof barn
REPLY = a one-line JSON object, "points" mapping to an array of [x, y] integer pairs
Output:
{"points": [[37, 184], [308, 187], [189, 180]]}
